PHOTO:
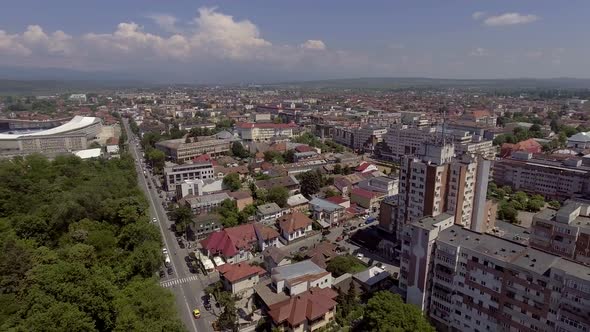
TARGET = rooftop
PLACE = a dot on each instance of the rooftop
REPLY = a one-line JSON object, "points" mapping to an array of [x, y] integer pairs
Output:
{"points": [[305, 306], [237, 272], [77, 122], [295, 270], [269, 208], [294, 221]]}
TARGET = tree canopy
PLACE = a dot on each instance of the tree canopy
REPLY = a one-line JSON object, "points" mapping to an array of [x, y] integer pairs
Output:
{"points": [[232, 181], [78, 251], [386, 312], [311, 183]]}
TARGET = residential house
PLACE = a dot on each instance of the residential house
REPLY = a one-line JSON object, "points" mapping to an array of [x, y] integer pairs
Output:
{"points": [[322, 253], [308, 311], [296, 278], [268, 213], [242, 198], [366, 167], [529, 145], [325, 212], [383, 184], [236, 244], [294, 225], [369, 200], [344, 202], [289, 182], [240, 278], [373, 279], [298, 203], [274, 256]]}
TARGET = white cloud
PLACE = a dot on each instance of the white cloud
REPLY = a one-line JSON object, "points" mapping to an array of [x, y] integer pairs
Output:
{"points": [[479, 52], [57, 43], [314, 44], [165, 22], [10, 45], [478, 15], [510, 19]]}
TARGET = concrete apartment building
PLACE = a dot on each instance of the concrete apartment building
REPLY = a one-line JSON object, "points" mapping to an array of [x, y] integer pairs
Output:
{"points": [[361, 139], [205, 203], [435, 182], [176, 174], [264, 131], [401, 141], [565, 232], [469, 281], [181, 150], [484, 148], [552, 179], [198, 187]]}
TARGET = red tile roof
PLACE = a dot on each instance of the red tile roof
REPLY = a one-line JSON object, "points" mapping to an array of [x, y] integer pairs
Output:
{"points": [[236, 272], [231, 240], [294, 221], [363, 166], [337, 199], [309, 305], [365, 193], [303, 148]]}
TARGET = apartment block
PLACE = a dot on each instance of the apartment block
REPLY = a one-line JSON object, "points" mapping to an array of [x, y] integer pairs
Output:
{"points": [[401, 141], [264, 131], [565, 232], [479, 282], [553, 179], [176, 174], [482, 148], [184, 150], [362, 139]]}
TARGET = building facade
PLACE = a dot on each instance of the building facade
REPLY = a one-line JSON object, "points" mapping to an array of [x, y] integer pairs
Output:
{"points": [[176, 174]]}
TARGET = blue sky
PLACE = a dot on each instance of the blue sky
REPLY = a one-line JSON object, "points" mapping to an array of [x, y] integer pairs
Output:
{"points": [[250, 41]]}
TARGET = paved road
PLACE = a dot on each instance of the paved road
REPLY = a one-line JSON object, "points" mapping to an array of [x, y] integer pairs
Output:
{"points": [[187, 287]]}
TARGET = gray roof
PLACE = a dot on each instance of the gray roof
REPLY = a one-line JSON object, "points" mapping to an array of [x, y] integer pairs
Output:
{"points": [[580, 137], [322, 204], [372, 275], [297, 200], [287, 272], [269, 208]]}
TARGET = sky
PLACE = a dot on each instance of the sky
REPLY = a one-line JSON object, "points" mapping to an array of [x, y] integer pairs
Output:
{"points": [[278, 41]]}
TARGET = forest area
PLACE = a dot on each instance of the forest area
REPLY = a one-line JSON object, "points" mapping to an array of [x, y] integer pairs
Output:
{"points": [[78, 251]]}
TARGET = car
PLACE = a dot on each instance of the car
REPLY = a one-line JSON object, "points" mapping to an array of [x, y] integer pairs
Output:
{"points": [[170, 271], [360, 255], [340, 238], [164, 251], [326, 232], [197, 313], [303, 248], [154, 220], [162, 274]]}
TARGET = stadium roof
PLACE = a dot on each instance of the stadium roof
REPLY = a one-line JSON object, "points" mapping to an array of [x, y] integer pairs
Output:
{"points": [[78, 122]]}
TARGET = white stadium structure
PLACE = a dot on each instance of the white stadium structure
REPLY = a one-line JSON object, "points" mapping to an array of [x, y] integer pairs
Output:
{"points": [[71, 136]]}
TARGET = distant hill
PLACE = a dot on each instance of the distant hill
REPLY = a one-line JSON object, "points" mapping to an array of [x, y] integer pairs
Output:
{"points": [[400, 83]]}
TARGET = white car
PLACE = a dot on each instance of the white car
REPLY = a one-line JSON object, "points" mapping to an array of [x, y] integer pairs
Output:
{"points": [[165, 251], [360, 256], [154, 220]]}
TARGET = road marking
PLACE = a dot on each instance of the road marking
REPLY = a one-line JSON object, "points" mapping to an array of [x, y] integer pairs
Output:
{"points": [[173, 282]]}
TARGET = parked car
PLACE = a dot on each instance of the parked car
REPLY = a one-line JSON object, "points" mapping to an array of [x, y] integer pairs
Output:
{"points": [[340, 238], [326, 232], [360, 255]]}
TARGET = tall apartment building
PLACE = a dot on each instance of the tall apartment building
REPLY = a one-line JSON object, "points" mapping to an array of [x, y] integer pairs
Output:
{"points": [[565, 232], [483, 148], [176, 174], [470, 281], [183, 150], [401, 141], [363, 139], [552, 179], [264, 131], [433, 182]]}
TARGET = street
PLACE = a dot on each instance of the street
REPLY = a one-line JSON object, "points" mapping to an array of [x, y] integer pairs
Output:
{"points": [[186, 286]]}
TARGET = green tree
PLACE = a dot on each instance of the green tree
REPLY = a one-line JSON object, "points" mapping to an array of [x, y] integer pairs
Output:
{"points": [[239, 151], [156, 158], [273, 157], [331, 193], [337, 169], [506, 211], [344, 264], [229, 317], [386, 312], [232, 181], [311, 183], [289, 156], [278, 195], [554, 204], [182, 217]]}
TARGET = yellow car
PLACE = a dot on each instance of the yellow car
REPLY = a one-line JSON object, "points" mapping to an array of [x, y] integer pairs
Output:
{"points": [[197, 313]]}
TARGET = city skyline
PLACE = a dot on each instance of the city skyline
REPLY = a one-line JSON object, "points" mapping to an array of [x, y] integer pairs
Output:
{"points": [[226, 42]]}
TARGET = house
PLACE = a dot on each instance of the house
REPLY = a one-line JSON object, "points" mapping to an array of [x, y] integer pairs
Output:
{"points": [[268, 213], [203, 225], [308, 311], [299, 277], [240, 278], [345, 203], [373, 279], [579, 141], [367, 199], [205, 203], [242, 198], [343, 185], [325, 212], [529, 145], [294, 225], [322, 253], [242, 171], [383, 184], [236, 244], [298, 203], [289, 182], [366, 167], [274, 256]]}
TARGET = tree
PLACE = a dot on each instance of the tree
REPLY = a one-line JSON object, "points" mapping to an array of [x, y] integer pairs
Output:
{"points": [[311, 183], [278, 195], [386, 311], [535, 128], [344, 264], [506, 211], [337, 169], [239, 151], [156, 158], [331, 193], [228, 318], [232, 181], [182, 217], [289, 156], [273, 157], [554, 204], [229, 213]]}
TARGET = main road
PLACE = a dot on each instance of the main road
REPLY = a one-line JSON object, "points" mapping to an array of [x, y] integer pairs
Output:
{"points": [[186, 286]]}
